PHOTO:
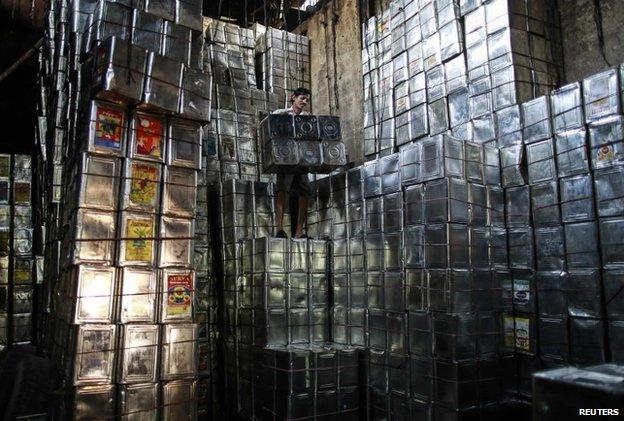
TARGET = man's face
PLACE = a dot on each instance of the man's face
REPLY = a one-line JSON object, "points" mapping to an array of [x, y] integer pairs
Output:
{"points": [[300, 102]]}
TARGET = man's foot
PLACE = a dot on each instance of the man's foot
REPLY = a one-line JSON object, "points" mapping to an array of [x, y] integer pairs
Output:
{"points": [[281, 234]]}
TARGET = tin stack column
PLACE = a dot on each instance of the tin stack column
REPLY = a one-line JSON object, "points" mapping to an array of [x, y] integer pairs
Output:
{"points": [[17, 268]]}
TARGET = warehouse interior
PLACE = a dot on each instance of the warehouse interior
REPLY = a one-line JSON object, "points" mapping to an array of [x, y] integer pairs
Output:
{"points": [[311, 209]]}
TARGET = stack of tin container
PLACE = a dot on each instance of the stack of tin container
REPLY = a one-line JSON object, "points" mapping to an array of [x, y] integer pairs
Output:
{"points": [[426, 74], [17, 263], [231, 148], [284, 60], [123, 305]]}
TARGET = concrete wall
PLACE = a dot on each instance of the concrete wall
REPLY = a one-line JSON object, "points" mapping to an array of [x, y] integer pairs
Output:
{"points": [[581, 49], [345, 73]]}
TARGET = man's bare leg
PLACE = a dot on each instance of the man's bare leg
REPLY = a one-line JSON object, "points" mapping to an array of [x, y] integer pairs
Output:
{"points": [[279, 210], [302, 216]]}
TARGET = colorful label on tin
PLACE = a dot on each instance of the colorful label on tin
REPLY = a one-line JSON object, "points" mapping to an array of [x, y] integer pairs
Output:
{"points": [[149, 136], [179, 287], [140, 241], [144, 184], [605, 153], [108, 128], [522, 292]]}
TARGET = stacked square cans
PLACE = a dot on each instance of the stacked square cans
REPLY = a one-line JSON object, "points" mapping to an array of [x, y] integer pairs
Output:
{"points": [[17, 251], [426, 73], [130, 99]]}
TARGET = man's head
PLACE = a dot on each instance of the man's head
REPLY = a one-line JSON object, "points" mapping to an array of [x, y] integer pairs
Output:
{"points": [[300, 99]]}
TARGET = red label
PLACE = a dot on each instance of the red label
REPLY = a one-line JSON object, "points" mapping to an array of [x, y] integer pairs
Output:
{"points": [[149, 136]]}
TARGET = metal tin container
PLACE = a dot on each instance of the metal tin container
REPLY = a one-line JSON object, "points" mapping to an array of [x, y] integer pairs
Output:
{"points": [[179, 400], [184, 143], [600, 95], [545, 204], [179, 193], [138, 402], [119, 73], [609, 191], [93, 236], [572, 152], [178, 286], [138, 295], [606, 140], [577, 203], [162, 86], [195, 97], [138, 354], [93, 402], [137, 247], [178, 355], [446, 200], [141, 191], [95, 293], [567, 107], [442, 156], [106, 128], [94, 348], [176, 242]]}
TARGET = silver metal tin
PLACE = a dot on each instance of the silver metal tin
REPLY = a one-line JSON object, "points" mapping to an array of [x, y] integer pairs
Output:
{"points": [[611, 234], [176, 242], [541, 162], [119, 74], [518, 206], [162, 86], [178, 399], [95, 353], [572, 152], [545, 204], [606, 138], [334, 155], [550, 248], [179, 355], [148, 30], [577, 202], [176, 43], [179, 193], [438, 116], [195, 97], [600, 95], [567, 107], [511, 158], [442, 156], [138, 402], [138, 354], [581, 245], [446, 200], [414, 205], [137, 246], [91, 402], [93, 236], [95, 292], [521, 248], [609, 184], [536, 119], [138, 295], [188, 13], [184, 143]]}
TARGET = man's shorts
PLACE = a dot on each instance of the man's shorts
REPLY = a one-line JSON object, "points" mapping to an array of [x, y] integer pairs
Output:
{"points": [[297, 182]]}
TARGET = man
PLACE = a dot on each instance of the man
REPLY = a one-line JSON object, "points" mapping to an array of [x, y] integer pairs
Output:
{"points": [[296, 182]]}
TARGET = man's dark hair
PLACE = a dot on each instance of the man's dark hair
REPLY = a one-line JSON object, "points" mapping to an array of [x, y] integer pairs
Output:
{"points": [[301, 91]]}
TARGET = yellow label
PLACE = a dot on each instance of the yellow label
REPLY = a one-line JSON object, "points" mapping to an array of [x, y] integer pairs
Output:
{"points": [[144, 185], [140, 241]]}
